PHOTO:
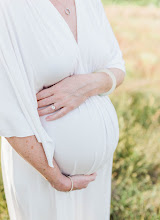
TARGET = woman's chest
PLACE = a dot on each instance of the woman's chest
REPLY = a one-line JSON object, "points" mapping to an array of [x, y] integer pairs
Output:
{"points": [[47, 44]]}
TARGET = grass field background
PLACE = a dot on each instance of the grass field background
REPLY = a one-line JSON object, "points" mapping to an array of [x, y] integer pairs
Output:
{"points": [[132, 2], [136, 169]]}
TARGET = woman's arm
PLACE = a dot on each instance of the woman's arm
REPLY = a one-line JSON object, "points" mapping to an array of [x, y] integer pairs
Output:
{"points": [[102, 82], [74, 90], [32, 151]]}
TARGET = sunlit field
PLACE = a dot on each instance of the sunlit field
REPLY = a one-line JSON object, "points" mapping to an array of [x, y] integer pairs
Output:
{"points": [[136, 169]]}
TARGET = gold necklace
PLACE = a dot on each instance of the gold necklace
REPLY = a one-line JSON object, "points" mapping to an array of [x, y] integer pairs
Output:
{"points": [[66, 10]]}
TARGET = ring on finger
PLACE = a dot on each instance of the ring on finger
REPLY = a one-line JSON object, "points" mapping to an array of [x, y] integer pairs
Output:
{"points": [[53, 107]]}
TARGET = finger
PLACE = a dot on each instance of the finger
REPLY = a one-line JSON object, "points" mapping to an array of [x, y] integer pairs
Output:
{"points": [[44, 93], [91, 177], [94, 174], [58, 114], [46, 101], [49, 109]]}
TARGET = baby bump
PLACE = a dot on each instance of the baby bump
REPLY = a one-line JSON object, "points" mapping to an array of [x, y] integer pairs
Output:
{"points": [[85, 137]]}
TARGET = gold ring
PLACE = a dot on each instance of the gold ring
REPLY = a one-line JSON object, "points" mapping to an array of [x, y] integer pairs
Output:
{"points": [[71, 182]]}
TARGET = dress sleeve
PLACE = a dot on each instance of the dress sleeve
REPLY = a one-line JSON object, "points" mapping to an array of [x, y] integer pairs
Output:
{"points": [[18, 104], [12, 119], [114, 57]]}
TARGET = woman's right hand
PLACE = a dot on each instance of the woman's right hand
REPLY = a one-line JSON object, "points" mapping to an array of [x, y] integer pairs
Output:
{"points": [[32, 151], [79, 182]]}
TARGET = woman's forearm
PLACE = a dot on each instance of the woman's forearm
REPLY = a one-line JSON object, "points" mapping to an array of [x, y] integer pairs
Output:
{"points": [[32, 151], [98, 83], [72, 91]]}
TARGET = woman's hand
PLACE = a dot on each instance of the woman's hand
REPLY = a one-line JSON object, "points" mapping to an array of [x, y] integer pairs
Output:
{"points": [[70, 92], [79, 182], [66, 95], [61, 182], [32, 151]]}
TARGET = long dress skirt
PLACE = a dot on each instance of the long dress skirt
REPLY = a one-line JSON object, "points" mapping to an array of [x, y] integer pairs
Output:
{"points": [[30, 197]]}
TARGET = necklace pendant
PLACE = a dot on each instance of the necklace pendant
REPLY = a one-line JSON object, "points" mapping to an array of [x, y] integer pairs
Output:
{"points": [[67, 11]]}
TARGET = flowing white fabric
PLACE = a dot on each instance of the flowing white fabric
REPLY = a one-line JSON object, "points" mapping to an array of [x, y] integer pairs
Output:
{"points": [[37, 50]]}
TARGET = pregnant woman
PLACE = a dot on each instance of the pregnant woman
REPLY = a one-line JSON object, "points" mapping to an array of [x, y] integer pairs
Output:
{"points": [[59, 60]]}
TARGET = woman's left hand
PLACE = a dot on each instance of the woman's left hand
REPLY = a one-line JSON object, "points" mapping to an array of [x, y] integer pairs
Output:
{"points": [[66, 95]]}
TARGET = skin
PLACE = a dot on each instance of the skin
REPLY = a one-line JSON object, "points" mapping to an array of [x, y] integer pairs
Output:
{"points": [[67, 94], [72, 91]]}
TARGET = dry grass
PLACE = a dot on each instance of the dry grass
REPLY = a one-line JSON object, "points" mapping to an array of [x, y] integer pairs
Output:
{"points": [[138, 33]]}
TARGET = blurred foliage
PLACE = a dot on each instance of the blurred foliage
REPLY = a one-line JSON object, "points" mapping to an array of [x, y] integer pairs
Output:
{"points": [[136, 167], [3, 205], [133, 2]]}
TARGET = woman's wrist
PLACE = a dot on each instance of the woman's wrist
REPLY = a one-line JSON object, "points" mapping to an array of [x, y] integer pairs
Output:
{"points": [[96, 83], [65, 183], [61, 183], [57, 180]]}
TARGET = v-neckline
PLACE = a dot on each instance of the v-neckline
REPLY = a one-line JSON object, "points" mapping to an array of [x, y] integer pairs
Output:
{"points": [[66, 24]]}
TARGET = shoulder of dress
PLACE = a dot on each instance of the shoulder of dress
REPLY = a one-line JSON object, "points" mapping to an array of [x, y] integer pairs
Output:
{"points": [[9, 5], [3, 4], [97, 6], [98, 10], [96, 3], [4, 7]]}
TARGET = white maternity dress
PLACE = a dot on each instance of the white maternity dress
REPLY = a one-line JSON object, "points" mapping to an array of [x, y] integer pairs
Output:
{"points": [[37, 50]]}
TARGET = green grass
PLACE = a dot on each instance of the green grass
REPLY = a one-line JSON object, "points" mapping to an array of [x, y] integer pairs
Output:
{"points": [[133, 2], [3, 205], [136, 169]]}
